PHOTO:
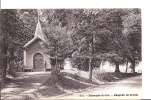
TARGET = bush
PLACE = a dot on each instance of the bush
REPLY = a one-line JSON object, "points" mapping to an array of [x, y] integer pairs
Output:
{"points": [[83, 63], [102, 76]]}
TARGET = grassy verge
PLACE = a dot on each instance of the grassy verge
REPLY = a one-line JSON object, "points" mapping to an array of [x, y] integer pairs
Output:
{"points": [[112, 76]]}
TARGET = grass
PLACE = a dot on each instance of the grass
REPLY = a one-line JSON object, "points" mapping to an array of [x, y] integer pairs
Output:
{"points": [[113, 76]]}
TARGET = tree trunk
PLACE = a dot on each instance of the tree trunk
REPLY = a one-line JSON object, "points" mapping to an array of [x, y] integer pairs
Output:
{"points": [[133, 66], [11, 68], [90, 69], [3, 66], [2, 72], [11, 61], [126, 66], [117, 68], [3, 59], [56, 65], [0, 90], [90, 59], [101, 66]]}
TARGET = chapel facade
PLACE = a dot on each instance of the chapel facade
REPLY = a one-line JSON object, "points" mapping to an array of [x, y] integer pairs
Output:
{"points": [[35, 56]]}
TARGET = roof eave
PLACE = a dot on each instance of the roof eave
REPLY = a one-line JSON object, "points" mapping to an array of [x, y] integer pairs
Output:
{"points": [[30, 42]]}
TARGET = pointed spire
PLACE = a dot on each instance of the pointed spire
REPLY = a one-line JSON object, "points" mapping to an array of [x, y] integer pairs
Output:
{"points": [[38, 32]]}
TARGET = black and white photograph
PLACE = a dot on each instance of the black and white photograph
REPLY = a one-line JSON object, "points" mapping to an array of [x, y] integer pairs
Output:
{"points": [[48, 54]]}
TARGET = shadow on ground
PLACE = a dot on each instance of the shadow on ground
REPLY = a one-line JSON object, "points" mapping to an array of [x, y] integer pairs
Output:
{"points": [[66, 83], [34, 86]]}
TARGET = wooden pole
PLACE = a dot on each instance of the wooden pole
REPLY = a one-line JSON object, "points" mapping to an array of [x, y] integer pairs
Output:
{"points": [[90, 58]]}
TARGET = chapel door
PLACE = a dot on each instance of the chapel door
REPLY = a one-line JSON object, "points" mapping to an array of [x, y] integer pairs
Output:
{"points": [[38, 62]]}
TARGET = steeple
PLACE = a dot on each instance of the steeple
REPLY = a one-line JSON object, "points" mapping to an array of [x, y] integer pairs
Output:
{"points": [[38, 32]]}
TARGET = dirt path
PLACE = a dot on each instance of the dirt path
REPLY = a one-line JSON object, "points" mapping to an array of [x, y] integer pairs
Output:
{"points": [[24, 83]]}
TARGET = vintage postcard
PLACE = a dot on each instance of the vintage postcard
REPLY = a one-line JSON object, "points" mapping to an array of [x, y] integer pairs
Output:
{"points": [[48, 54]]}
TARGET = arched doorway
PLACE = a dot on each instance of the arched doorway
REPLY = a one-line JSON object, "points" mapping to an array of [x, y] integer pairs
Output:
{"points": [[38, 62]]}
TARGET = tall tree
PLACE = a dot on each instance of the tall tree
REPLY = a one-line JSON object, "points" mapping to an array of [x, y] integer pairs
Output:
{"points": [[89, 35], [58, 33], [132, 24], [7, 23], [15, 35]]}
